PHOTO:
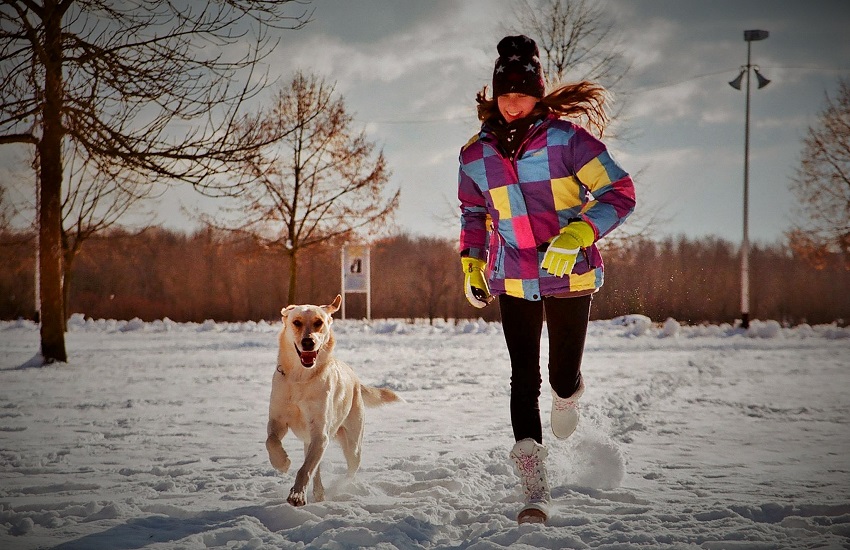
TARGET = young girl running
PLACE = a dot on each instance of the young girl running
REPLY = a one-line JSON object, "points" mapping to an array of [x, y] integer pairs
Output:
{"points": [[537, 192]]}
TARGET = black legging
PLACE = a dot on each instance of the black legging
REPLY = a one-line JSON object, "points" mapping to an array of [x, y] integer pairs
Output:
{"points": [[522, 323]]}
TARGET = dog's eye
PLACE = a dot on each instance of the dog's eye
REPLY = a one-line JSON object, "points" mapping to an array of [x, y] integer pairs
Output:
{"points": [[297, 323], [317, 324]]}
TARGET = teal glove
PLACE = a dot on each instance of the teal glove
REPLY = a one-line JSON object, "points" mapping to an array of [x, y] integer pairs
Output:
{"points": [[560, 257], [475, 282]]}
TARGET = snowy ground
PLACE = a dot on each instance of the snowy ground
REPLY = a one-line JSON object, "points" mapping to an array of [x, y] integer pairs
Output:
{"points": [[699, 437]]}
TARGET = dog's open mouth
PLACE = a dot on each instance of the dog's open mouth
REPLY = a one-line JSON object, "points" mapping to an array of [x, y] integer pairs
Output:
{"points": [[308, 358]]}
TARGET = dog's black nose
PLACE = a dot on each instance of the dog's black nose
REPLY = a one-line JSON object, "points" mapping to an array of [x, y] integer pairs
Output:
{"points": [[307, 344]]}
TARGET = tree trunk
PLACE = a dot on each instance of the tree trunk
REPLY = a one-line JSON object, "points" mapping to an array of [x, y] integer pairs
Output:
{"points": [[50, 211], [293, 277]]}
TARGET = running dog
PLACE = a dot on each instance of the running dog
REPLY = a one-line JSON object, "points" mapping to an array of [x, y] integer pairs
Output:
{"points": [[316, 396]]}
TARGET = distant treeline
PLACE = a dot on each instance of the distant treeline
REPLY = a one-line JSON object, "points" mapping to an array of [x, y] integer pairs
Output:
{"points": [[210, 275]]}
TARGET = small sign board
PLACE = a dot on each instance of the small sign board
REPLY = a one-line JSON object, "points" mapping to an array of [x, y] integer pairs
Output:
{"points": [[356, 274]]}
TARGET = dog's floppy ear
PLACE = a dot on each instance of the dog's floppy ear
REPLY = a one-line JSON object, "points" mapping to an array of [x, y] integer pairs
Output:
{"points": [[285, 311], [333, 307]]}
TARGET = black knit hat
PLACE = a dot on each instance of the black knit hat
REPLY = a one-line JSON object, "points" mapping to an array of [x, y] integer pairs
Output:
{"points": [[518, 67]]}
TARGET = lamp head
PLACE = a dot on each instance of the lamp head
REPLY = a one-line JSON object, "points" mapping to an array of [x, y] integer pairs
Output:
{"points": [[737, 82], [753, 35], [762, 81]]}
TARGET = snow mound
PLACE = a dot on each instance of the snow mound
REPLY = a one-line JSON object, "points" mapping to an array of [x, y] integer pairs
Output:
{"points": [[478, 327], [636, 324], [208, 326], [133, 325], [391, 327], [670, 329], [764, 329]]}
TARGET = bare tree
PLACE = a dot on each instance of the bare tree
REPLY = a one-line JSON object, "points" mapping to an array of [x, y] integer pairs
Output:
{"points": [[5, 212], [320, 181], [152, 87], [576, 41], [436, 257], [822, 185], [92, 202]]}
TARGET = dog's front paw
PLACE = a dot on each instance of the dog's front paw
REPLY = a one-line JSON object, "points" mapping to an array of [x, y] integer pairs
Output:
{"points": [[277, 456], [297, 498], [280, 463]]}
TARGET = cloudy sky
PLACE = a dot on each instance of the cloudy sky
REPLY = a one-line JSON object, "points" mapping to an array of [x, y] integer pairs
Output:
{"points": [[409, 71]]}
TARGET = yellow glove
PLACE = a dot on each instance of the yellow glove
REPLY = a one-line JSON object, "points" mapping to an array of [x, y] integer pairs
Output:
{"points": [[475, 282], [560, 257]]}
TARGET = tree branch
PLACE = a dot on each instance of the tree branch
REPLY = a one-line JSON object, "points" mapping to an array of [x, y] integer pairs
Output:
{"points": [[18, 138]]}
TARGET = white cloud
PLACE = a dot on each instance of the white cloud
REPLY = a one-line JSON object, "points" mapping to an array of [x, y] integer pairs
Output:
{"points": [[647, 44], [668, 103]]}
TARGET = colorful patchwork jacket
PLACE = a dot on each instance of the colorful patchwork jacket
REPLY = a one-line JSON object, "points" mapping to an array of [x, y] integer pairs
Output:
{"points": [[561, 173]]}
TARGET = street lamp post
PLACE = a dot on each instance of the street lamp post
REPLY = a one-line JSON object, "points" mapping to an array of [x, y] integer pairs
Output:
{"points": [[749, 36]]}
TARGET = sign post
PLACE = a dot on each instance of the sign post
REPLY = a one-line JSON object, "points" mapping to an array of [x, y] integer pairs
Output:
{"points": [[356, 274]]}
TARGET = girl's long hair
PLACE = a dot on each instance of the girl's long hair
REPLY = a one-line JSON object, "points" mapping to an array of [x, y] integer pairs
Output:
{"points": [[584, 101]]}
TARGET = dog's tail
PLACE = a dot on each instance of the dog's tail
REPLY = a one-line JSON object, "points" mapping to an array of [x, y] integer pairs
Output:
{"points": [[374, 397]]}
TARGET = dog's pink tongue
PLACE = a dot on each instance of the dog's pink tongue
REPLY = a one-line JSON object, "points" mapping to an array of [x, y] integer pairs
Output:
{"points": [[308, 358]]}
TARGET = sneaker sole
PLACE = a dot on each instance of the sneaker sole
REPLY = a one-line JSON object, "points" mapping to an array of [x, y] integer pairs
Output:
{"points": [[531, 515]]}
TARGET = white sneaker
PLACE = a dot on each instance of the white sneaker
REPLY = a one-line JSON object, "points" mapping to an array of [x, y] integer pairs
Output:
{"points": [[565, 413], [529, 458]]}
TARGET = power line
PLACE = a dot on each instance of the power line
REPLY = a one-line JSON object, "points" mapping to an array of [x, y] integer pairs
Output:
{"points": [[730, 71], [633, 92], [811, 67], [418, 121], [678, 82]]}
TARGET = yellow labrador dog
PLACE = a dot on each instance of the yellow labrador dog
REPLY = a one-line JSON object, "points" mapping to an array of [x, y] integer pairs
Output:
{"points": [[316, 396]]}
